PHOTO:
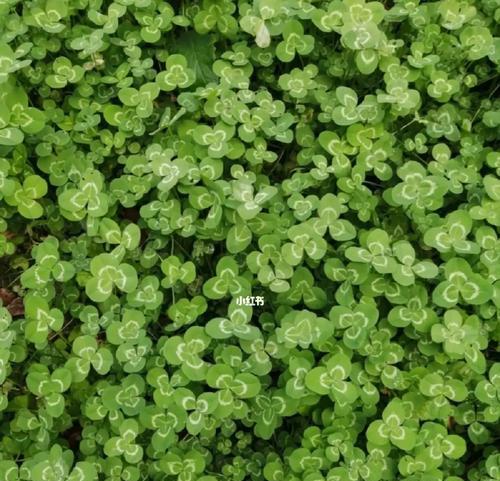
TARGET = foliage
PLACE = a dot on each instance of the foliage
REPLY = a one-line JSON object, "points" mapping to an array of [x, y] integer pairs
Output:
{"points": [[249, 240]]}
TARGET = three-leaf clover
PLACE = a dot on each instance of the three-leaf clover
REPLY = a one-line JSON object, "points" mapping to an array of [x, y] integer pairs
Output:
{"points": [[229, 384], [25, 196], [87, 354], [418, 189], [299, 82], [187, 351], [377, 252], [141, 99], [124, 445], [356, 322], [392, 428], [460, 337], [269, 265], [304, 241], [331, 379], [441, 390], [406, 268], [226, 281], [176, 75], [130, 329], [452, 235], [199, 408], [294, 42], [165, 425], [49, 387], [488, 390], [48, 266], [85, 199], [461, 285], [269, 410], [236, 324], [216, 138], [303, 328], [107, 272], [186, 466], [64, 72], [175, 271], [41, 319], [302, 289]]}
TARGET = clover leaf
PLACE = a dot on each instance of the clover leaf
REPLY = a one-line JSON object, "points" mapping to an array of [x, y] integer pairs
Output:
{"points": [[452, 235], [41, 319], [198, 408], [165, 426], [356, 322], [49, 387], [187, 352], [242, 385], [488, 390], [304, 241], [236, 324], [24, 196], [418, 189], [176, 271], [303, 328], [226, 281], [107, 272], [48, 266], [249, 240], [461, 284], [331, 379], [123, 445], [86, 199], [87, 354], [269, 265], [298, 82], [183, 465], [294, 41], [64, 72], [177, 74], [433, 385], [392, 428], [215, 138]]}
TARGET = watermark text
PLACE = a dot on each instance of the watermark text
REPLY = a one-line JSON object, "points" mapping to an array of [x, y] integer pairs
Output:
{"points": [[250, 301]]}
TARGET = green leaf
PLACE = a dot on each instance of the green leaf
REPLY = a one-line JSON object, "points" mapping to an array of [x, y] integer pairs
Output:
{"points": [[199, 53]]}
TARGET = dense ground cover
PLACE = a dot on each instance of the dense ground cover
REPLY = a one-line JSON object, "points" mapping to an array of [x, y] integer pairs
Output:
{"points": [[164, 166]]}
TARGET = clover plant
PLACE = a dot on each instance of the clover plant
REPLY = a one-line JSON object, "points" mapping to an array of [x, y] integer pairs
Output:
{"points": [[249, 240]]}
